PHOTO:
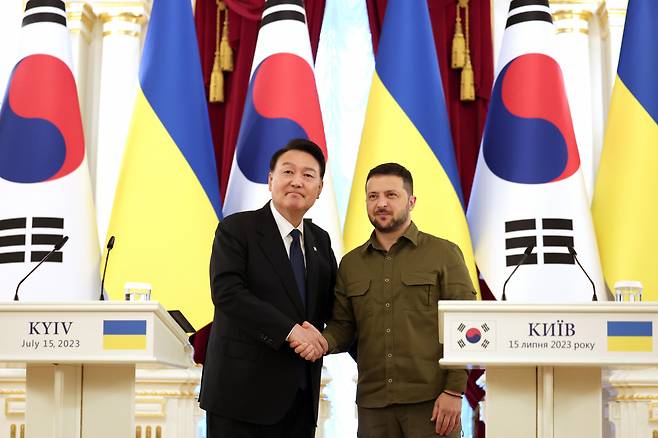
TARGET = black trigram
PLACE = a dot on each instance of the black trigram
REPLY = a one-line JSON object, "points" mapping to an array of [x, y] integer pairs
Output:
{"points": [[461, 327], [557, 233], [485, 343], [45, 232], [533, 10], [461, 343], [45, 11], [485, 327], [287, 10]]}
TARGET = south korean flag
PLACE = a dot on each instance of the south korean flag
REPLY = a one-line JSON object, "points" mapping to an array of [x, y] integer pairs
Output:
{"points": [[475, 335]]}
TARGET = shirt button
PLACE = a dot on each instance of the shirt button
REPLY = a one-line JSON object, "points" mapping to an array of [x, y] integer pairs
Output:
{"points": [[390, 380], [388, 330], [388, 304], [389, 258], [389, 355], [386, 280]]}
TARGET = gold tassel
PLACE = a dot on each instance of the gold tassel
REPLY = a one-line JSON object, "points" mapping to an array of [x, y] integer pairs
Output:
{"points": [[216, 89], [458, 42], [225, 52], [467, 89]]}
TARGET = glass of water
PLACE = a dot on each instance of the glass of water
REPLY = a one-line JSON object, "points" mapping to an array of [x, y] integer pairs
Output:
{"points": [[628, 291], [137, 291]]}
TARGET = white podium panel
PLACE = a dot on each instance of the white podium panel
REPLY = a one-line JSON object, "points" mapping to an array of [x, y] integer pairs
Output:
{"points": [[80, 360], [92, 332], [514, 334], [544, 361]]}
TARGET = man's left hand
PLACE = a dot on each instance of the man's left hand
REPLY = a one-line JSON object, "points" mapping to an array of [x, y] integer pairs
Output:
{"points": [[446, 413]]}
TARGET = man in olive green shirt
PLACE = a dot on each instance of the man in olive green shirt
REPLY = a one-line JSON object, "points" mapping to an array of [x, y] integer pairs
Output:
{"points": [[386, 298]]}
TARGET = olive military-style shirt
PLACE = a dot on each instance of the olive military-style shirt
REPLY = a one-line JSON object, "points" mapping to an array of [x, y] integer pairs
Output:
{"points": [[388, 301]]}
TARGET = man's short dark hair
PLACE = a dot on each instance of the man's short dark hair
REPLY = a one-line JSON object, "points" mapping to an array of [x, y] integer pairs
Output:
{"points": [[304, 145], [394, 169]]}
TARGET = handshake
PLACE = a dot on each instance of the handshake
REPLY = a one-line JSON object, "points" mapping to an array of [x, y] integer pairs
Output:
{"points": [[308, 342]]}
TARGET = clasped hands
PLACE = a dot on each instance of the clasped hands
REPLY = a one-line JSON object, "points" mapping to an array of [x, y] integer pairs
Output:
{"points": [[308, 342]]}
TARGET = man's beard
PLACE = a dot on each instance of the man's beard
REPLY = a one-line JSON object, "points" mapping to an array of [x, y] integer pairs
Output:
{"points": [[391, 227]]}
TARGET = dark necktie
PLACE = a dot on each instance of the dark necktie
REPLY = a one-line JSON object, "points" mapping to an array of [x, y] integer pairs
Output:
{"points": [[298, 268], [297, 262]]}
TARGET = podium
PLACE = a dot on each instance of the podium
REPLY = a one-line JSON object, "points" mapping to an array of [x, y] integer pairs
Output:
{"points": [[80, 360], [544, 361]]}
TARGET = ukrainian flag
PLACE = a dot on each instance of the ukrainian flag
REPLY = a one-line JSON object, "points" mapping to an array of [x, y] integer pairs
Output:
{"points": [[407, 122], [624, 208], [167, 201], [635, 336], [124, 334]]}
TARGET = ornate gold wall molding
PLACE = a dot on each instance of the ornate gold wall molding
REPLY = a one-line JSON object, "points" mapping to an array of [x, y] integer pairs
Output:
{"points": [[13, 429], [159, 393], [572, 14], [81, 19], [636, 397], [150, 407], [130, 33], [82, 12], [130, 6], [604, 22], [12, 391], [571, 19], [123, 17], [11, 407]]}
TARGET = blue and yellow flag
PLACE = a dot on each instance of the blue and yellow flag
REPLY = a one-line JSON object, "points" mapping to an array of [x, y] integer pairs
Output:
{"points": [[624, 207], [124, 334], [634, 336], [407, 122], [167, 201]]}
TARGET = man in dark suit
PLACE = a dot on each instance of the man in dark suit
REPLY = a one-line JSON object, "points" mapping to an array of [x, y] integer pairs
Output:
{"points": [[272, 276]]}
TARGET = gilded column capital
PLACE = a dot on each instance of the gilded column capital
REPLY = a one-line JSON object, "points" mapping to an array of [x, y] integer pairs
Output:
{"points": [[573, 16], [125, 18], [615, 12], [80, 18]]}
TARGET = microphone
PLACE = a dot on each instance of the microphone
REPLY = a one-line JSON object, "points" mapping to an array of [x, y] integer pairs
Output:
{"points": [[526, 253], [57, 247], [573, 253], [110, 245]]}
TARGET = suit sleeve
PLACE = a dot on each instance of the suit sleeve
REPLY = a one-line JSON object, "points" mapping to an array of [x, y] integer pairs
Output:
{"points": [[328, 307], [230, 294]]}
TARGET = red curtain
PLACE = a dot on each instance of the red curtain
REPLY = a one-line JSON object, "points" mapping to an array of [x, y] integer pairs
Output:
{"points": [[244, 20]]}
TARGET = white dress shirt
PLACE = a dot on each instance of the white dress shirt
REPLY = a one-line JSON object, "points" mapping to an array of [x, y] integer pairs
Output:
{"points": [[285, 228]]}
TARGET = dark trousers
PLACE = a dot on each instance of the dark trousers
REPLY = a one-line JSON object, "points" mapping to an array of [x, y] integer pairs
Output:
{"points": [[298, 422], [400, 421]]}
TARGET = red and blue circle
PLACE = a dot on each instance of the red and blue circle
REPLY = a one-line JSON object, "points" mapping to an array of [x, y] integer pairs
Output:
{"points": [[473, 335], [282, 103], [529, 136], [41, 136]]}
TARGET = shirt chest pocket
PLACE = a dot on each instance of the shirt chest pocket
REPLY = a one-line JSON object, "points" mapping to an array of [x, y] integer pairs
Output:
{"points": [[419, 290], [360, 297]]}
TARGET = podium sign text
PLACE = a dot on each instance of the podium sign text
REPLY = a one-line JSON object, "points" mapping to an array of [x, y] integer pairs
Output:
{"points": [[515, 334]]}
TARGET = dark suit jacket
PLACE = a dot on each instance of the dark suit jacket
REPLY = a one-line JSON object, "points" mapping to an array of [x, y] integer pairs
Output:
{"points": [[251, 374]]}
